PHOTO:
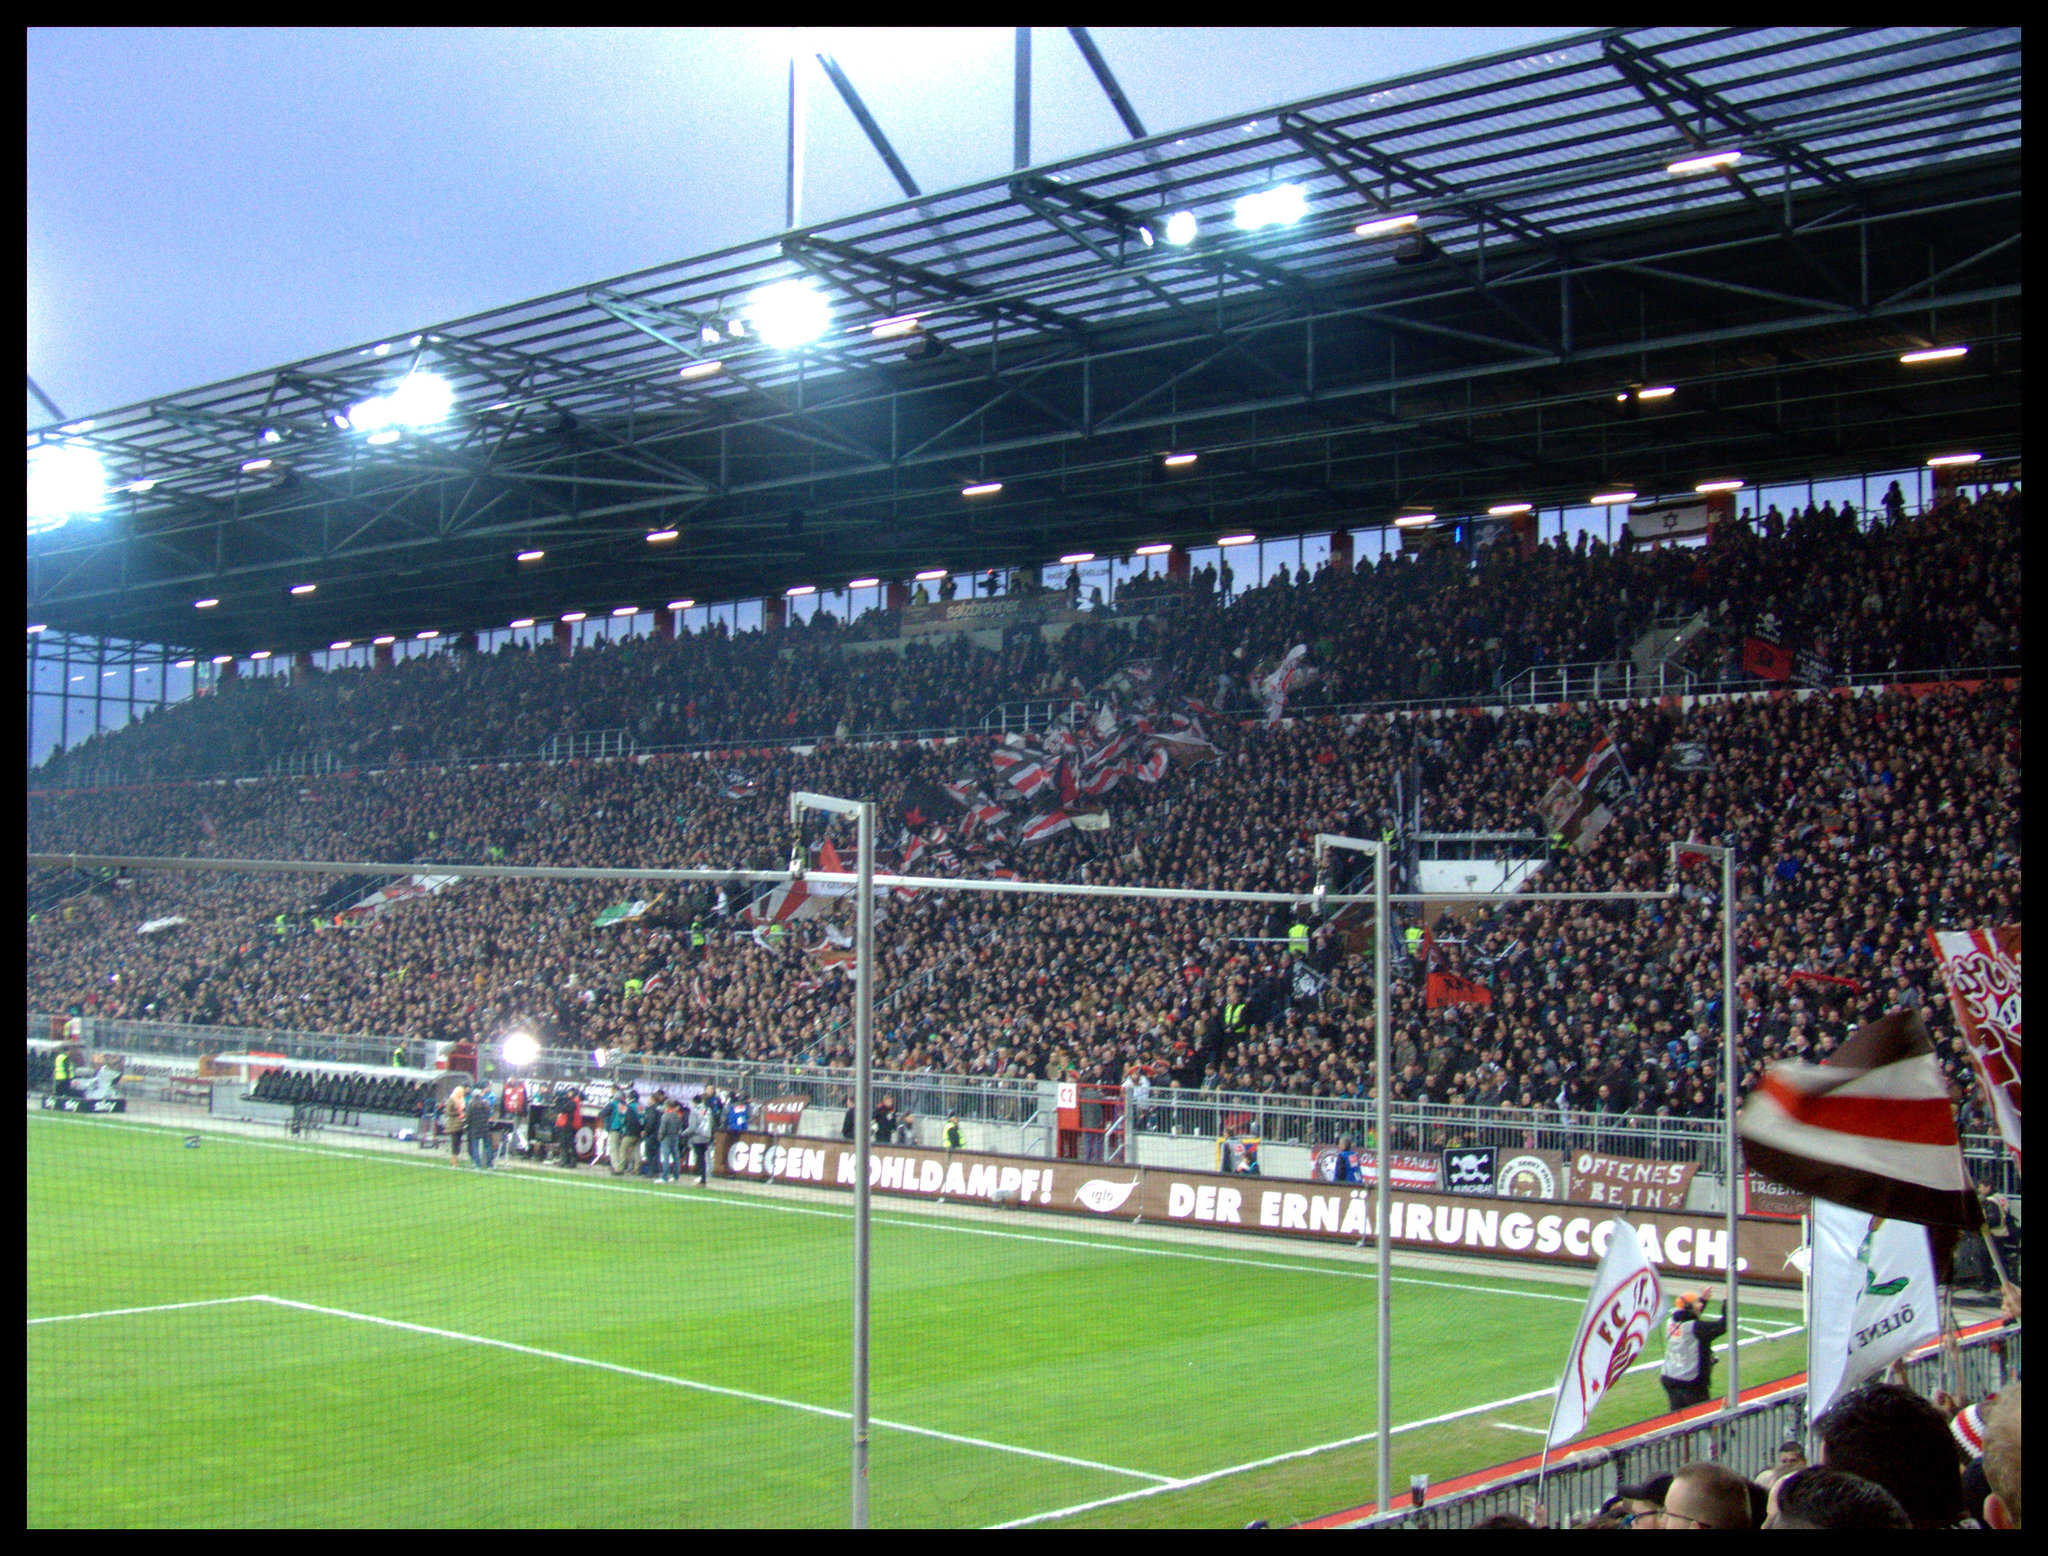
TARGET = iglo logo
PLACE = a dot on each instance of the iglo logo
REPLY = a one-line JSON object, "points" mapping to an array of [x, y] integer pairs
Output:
{"points": [[1102, 1196], [1527, 1177]]}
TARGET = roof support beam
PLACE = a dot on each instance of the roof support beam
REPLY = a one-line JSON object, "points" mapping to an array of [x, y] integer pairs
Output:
{"points": [[1107, 77], [866, 121]]}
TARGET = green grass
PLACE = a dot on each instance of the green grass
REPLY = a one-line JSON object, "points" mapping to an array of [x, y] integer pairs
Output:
{"points": [[1159, 1357]]}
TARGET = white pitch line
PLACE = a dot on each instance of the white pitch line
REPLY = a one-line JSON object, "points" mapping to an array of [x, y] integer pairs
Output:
{"points": [[124, 1312], [1516, 1426], [923, 1223], [703, 1388], [1304, 1453]]}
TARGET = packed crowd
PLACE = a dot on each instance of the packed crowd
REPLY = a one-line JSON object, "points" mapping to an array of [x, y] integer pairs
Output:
{"points": [[1894, 595], [1862, 821]]}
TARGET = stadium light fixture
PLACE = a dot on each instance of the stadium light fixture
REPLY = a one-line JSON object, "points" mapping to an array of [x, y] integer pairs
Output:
{"points": [[1414, 519], [1707, 162], [1236, 540], [789, 314], [1939, 460], [385, 641], [382, 437], [204, 605], [1281, 206], [892, 329], [658, 536], [698, 370], [270, 435], [65, 481], [575, 616], [709, 336], [79, 426], [427, 635], [1934, 354], [261, 653], [625, 610], [795, 591], [864, 583], [531, 556], [1157, 548], [931, 575], [1384, 225], [1179, 461], [185, 664], [138, 487], [1076, 558], [304, 588], [1502, 510], [519, 1049], [1611, 499], [680, 605], [1721, 484], [223, 659], [1657, 392], [418, 400], [1181, 228], [344, 643], [38, 626], [981, 489], [523, 621], [251, 466]]}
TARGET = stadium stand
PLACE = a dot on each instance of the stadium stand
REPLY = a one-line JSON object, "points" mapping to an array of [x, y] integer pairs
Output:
{"points": [[1863, 820]]}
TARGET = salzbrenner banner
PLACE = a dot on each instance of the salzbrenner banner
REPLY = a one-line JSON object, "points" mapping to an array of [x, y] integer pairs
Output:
{"points": [[1521, 1230]]}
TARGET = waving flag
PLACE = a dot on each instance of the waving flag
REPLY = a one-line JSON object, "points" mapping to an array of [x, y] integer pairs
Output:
{"points": [[1621, 1313], [1873, 1299], [1051, 824], [1983, 971], [1273, 688], [1872, 1128]]}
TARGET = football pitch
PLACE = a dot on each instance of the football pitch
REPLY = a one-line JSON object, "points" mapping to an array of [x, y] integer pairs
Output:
{"points": [[252, 1330]]}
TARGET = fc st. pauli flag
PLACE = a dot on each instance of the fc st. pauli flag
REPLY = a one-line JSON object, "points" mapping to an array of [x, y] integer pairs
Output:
{"points": [[1622, 1310], [1983, 971], [1873, 1299]]}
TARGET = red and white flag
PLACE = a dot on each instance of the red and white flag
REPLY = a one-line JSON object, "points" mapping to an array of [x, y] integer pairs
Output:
{"points": [[1872, 1128], [1621, 1314], [1051, 824], [1983, 971]]}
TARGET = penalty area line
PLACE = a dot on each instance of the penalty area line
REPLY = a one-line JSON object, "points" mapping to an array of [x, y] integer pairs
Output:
{"points": [[704, 1388], [1305, 1453]]}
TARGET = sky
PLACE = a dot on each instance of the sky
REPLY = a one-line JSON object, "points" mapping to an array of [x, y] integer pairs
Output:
{"points": [[203, 204]]}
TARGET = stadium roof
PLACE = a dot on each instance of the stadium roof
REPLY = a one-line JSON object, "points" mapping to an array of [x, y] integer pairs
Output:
{"points": [[1484, 352]]}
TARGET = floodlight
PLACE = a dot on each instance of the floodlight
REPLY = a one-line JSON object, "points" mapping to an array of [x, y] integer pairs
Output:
{"points": [[385, 641], [698, 370], [1502, 510], [864, 583], [223, 659], [680, 605], [186, 664], [38, 626], [1181, 228], [519, 1049], [304, 588], [657, 536], [429, 633], [65, 481], [625, 610], [270, 435], [204, 605], [1721, 484], [1934, 354], [1145, 236], [709, 336], [1384, 225], [141, 486], [261, 653], [1415, 520], [251, 466], [1159, 548], [890, 329], [931, 575], [789, 314], [1657, 392], [523, 621], [1237, 540], [794, 590], [382, 436], [1076, 558], [1685, 167], [981, 489], [1281, 206], [575, 615], [418, 400], [1611, 499], [1179, 461], [1953, 459], [531, 556], [344, 643]]}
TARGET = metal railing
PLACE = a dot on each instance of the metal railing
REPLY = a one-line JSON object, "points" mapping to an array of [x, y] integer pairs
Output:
{"points": [[1745, 1440], [1014, 1100], [1029, 717], [1598, 680], [587, 742], [302, 764]]}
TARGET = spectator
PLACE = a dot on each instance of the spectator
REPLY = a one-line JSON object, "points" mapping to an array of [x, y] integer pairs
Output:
{"points": [[1704, 1495], [1888, 1434], [1820, 1498], [2002, 1460]]}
